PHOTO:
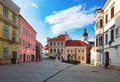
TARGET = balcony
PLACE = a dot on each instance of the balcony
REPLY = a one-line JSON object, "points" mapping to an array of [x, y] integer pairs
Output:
{"points": [[9, 40], [99, 48], [5, 19], [99, 31]]}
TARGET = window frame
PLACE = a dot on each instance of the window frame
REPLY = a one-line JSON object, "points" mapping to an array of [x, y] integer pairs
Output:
{"points": [[5, 11], [5, 51], [5, 32], [112, 12]]}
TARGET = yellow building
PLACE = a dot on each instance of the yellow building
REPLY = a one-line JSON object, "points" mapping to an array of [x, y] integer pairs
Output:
{"points": [[9, 32]]}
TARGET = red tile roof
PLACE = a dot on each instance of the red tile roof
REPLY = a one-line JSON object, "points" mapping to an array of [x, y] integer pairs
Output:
{"points": [[46, 47], [91, 45], [60, 37], [75, 43]]}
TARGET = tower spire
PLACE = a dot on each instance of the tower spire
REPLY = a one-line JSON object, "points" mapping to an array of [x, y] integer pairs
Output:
{"points": [[85, 36]]}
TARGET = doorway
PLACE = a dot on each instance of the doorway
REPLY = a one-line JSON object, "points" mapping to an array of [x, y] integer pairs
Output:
{"points": [[23, 57], [32, 57], [14, 56], [106, 59]]}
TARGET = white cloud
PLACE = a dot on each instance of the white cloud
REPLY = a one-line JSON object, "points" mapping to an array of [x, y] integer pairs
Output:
{"points": [[91, 39], [71, 18], [34, 5]]}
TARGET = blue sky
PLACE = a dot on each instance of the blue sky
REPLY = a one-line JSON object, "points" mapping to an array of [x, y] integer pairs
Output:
{"points": [[53, 17]]}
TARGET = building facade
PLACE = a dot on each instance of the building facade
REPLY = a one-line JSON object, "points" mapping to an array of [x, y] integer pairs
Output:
{"points": [[62, 47], [109, 41], [99, 46], [45, 50], [9, 32], [92, 55], [76, 50], [27, 41], [38, 51], [56, 45]]}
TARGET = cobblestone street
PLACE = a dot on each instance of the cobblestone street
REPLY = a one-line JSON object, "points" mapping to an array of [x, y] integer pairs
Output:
{"points": [[55, 71]]}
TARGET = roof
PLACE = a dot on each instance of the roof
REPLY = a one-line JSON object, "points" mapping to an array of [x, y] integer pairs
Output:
{"points": [[27, 22], [75, 43], [60, 37], [46, 47], [91, 46]]}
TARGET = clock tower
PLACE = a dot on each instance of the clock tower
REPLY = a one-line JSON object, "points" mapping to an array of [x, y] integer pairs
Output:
{"points": [[85, 36]]}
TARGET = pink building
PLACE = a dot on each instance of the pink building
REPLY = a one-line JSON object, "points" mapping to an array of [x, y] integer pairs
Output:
{"points": [[27, 41]]}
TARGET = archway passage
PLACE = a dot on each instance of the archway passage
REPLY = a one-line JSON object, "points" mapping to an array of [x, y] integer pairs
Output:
{"points": [[106, 59]]}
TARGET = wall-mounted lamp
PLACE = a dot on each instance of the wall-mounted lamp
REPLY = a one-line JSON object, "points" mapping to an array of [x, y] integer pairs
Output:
{"points": [[110, 43]]}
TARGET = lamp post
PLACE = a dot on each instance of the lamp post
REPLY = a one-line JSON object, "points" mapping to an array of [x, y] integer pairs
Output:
{"points": [[110, 43]]}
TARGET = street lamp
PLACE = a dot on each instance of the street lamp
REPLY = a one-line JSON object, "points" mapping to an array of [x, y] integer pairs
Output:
{"points": [[110, 43]]}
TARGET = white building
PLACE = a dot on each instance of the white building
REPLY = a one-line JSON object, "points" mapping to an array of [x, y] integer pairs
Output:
{"points": [[56, 45], [93, 55], [107, 34]]}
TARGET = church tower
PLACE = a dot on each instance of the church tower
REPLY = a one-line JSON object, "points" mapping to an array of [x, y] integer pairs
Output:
{"points": [[85, 36]]}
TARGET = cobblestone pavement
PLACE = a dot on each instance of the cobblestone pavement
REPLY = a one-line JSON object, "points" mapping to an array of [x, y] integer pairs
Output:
{"points": [[55, 71]]}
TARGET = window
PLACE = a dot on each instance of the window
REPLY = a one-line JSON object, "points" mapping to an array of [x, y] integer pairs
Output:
{"points": [[50, 43], [54, 50], [67, 50], [79, 50], [23, 42], [117, 32], [97, 42], [5, 11], [58, 44], [20, 41], [26, 44], [106, 38], [112, 35], [82, 57], [27, 56], [100, 41], [13, 35], [20, 28], [58, 50], [54, 44], [112, 12], [23, 30], [71, 51], [79, 57], [5, 32], [83, 51], [61, 43], [26, 33], [106, 18], [101, 23], [97, 24], [5, 52], [51, 50], [61, 50], [14, 18]]}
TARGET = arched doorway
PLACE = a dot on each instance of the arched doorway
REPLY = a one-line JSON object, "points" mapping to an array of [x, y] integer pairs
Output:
{"points": [[106, 59]]}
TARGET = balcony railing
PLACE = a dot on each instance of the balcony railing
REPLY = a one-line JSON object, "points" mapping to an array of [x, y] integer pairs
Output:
{"points": [[99, 47], [98, 31], [5, 19]]}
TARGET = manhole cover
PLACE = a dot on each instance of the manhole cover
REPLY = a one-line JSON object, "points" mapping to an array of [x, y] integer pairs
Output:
{"points": [[95, 71]]}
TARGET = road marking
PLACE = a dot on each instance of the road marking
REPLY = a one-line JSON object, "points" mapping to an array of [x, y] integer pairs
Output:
{"points": [[56, 73]]}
